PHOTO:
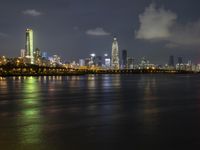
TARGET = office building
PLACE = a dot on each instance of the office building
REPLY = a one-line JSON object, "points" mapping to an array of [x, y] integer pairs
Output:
{"points": [[171, 61], [56, 59], [29, 46], [37, 53], [115, 54], [44, 55], [81, 62], [124, 59], [180, 60], [130, 62], [23, 53]]}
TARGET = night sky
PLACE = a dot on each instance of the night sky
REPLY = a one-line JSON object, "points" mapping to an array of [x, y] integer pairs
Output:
{"points": [[76, 28]]}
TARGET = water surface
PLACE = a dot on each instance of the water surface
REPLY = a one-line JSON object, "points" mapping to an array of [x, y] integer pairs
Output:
{"points": [[100, 112]]}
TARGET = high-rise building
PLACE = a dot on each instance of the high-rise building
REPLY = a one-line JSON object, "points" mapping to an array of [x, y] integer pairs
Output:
{"points": [[106, 61], [92, 59], [81, 62], [180, 60], [56, 59], [87, 61], [171, 61], [124, 59], [37, 53], [130, 62], [29, 45], [23, 53], [144, 63], [44, 55], [115, 54]]}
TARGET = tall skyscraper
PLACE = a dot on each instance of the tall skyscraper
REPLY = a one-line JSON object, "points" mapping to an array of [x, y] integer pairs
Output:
{"points": [[171, 61], [115, 54], [29, 45], [124, 59]]}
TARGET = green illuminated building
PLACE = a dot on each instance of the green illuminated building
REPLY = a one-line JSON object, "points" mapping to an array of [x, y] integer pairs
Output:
{"points": [[29, 45]]}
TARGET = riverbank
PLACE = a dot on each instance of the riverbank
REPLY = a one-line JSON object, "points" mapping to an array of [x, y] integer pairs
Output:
{"points": [[33, 70], [79, 73]]}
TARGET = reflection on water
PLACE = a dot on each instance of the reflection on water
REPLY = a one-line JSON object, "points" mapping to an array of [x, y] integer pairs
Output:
{"points": [[150, 110], [30, 115], [99, 112], [3, 86]]}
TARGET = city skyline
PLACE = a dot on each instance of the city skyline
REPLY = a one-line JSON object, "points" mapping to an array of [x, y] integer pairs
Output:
{"points": [[95, 35]]}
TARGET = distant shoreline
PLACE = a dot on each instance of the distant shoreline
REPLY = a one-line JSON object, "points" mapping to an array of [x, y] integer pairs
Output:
{"points": [[94, 73], [33, 70]]}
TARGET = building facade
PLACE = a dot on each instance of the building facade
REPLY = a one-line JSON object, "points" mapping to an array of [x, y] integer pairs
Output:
{"points": [[171, 61], [115, 54], [124, 59], [23, 53], [29, 46]]}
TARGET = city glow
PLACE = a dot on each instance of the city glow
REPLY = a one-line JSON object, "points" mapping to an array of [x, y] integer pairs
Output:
{"points": [[93, 55]]}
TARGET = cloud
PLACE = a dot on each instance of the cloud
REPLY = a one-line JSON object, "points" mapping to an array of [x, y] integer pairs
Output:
{"points": [[155, 23], [159, 24], [32, 12], [97, 32]]}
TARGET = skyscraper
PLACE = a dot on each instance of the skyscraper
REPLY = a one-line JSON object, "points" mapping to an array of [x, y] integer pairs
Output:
{"points": [[171, 61], [29, 45], [115, 54], [124, 59], [107, 61], [180, 60], [130, 62]]}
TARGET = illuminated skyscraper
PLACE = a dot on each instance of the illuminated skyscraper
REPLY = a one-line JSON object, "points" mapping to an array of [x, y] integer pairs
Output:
{"points": [[107, 61], [115, 54], [29, 45]]}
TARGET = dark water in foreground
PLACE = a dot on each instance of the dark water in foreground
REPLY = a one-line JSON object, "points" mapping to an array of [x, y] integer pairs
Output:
{"points": [[141, 112]]}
